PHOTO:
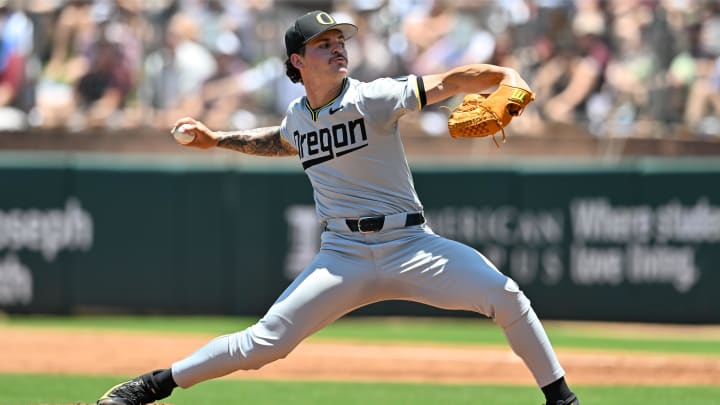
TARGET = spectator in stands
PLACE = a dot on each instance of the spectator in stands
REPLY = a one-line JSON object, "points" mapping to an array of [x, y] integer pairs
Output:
{"points": [[439, 37], [370, 44], [12, 67], [101, 92], [631, 69], [43, 16], [703, 103], [175, 73], [15, 47], [583, 69], [221, 94], [74, 33], [609, 64], [127, 24]]}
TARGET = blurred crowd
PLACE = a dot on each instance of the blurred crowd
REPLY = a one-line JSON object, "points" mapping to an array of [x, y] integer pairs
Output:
{"points": [[611, 67]]}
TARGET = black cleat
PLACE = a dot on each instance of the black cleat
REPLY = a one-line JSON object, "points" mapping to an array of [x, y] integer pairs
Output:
{"points": [[138, 391], [572, 400]]}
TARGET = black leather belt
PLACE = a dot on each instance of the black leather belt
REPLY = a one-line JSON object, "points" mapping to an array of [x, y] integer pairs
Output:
{"points": [[374, 224]]}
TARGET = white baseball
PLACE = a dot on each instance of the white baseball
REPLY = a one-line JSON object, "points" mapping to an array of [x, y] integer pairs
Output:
{"points": [[182, 135]]}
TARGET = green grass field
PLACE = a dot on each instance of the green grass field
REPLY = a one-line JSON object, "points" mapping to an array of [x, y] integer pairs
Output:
{"points": [[25, 389], [47, 389]]}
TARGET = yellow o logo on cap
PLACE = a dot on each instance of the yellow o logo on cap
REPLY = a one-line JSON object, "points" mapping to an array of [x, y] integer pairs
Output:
{"points": [[325, 18]]}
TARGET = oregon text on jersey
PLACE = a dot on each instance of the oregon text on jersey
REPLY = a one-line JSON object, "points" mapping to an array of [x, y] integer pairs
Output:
{"points": [[327, 143]]}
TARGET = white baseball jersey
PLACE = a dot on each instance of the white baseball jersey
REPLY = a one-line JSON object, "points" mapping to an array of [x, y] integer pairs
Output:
{"points": [[351, 150]]}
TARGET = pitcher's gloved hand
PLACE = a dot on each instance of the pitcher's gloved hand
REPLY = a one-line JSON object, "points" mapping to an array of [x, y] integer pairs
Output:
{"points": [[484, 115]]}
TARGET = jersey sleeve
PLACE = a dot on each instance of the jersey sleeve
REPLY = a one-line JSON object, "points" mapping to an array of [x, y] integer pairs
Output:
{"points": [[387, 99], [284, 131], [289, 113]]}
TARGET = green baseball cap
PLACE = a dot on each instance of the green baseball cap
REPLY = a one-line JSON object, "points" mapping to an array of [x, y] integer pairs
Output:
{"points": [[309, 26]]}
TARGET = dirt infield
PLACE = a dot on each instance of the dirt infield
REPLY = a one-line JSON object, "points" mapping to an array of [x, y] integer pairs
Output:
{"points": [[40, 350]]}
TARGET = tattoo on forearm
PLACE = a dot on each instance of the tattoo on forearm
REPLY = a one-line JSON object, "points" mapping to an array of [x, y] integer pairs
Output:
{"points": [[259, 141]]}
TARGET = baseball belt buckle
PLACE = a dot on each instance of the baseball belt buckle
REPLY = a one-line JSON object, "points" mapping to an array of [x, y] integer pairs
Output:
{"points": [[370, 224]]}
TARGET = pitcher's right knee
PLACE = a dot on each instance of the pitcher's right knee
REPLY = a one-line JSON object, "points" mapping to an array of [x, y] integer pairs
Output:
{"points": [[272, 338]]}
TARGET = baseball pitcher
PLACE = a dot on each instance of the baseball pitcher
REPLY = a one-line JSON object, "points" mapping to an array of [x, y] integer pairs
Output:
{"points": [[375, 245]]}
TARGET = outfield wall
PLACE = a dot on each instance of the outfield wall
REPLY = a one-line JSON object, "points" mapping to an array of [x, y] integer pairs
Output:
{"points": [[637, 241]]}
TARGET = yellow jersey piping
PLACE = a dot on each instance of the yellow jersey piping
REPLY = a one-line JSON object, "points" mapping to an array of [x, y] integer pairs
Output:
{"points": [[315, 112]]}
